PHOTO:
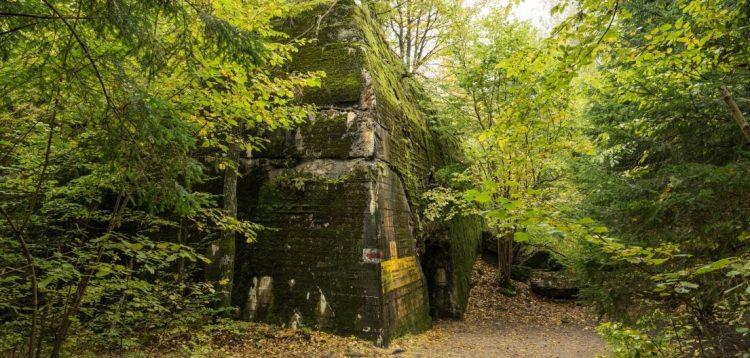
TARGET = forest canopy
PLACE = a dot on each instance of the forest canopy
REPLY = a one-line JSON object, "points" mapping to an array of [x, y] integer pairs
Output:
{"points": [[616, 139]]}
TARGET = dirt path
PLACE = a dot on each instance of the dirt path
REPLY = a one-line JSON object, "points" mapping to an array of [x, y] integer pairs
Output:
{"points": [[494, 326], [499, 326]]}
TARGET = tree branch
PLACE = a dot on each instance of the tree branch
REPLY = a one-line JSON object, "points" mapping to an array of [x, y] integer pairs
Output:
{"points": [[34, 282], [36, 16], [18, 28], [86, 51]]}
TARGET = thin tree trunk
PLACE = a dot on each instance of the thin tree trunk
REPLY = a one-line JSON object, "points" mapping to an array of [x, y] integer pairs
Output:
{"points": [[504, 258], [42, 324], [224, 249], [226, 243], [408, 41], [20, 229], [736, 113], [34, 291], [71, 309], [181, 261]]}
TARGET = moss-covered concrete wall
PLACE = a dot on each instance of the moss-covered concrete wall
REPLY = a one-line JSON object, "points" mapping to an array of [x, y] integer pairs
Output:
{"points": [[341, 194], [448, 261]]}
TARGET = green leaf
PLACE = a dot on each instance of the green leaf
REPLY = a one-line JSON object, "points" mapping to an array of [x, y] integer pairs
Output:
{"points": [[717, 265], [600, 229], [499, 214], [103, 270], [477, 196], [483, 198], [688, 284], [521, 236], [46, 281]]}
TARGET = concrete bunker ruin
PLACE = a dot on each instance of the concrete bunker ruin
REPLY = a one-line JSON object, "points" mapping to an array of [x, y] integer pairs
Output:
{"points": [[348, 250]]}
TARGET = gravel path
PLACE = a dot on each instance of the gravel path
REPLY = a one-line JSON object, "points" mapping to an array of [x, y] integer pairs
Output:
{"points": [[499, 326], [497, 340]]}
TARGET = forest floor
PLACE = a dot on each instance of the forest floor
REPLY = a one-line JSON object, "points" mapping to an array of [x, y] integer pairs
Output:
{"points": [[494, 326]]}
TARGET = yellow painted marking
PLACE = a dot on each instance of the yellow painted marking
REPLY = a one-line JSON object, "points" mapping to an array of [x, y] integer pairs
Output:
{"points": [[397, 273]]}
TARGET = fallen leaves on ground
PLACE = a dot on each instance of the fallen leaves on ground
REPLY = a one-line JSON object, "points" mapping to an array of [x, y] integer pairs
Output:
{"points": [[286, 342], [487, 302]]}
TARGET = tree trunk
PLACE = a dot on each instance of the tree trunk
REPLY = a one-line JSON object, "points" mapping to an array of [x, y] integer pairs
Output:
{"points": [[222, 252], [504, 258], [227, 244], [181, 241]]}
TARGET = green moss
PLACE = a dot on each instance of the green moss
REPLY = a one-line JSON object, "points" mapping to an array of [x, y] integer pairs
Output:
{"points": [[329, 136], [348, 41], [334, 26], [321, 258], [465, 234], [395, 90], [509, 291], [342, 64], [419, 321], [298, 181], [333, 48]]}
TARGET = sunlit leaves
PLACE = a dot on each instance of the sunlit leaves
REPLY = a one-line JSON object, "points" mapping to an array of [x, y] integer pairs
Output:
{"points": [[503, 100], [481, 197]]}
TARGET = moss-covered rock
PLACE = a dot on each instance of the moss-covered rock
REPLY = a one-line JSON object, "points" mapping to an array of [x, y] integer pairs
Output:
{"points": [[520, 273], [554, 284], [542, 260]]}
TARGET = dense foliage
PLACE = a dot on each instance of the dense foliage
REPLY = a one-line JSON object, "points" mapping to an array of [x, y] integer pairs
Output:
{"points": [[670, 177], [113, 115]]}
